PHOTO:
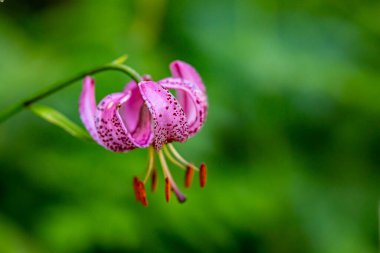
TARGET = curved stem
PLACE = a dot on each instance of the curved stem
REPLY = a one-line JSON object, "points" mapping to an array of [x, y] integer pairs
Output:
{"points": [[13, 109]]}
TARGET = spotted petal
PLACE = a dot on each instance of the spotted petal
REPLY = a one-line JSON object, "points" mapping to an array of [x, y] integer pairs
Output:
{"points": [[87, 107], [136, 117], [192, 100], [113, 126], [169, 119]]}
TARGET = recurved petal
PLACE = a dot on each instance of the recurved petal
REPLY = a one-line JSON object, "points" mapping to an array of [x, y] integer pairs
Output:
{"points": [[123, 121], [185, 71], [110, 129], [136, 117], [132, 107], [130, 86], [192, 100], [169, 119], [87, 107]]}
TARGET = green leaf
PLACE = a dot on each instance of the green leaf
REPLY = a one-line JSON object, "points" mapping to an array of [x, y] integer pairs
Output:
{"points": [[53, 116]]}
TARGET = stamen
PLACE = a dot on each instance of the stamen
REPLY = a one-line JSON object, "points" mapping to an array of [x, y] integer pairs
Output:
{"points": [[179, 157], [203, 175], [138, 185], [154, 180], [172, 159], [181, 198], [189, 175], [167, 189], [144, 201], [150, 164], [140, 192]]}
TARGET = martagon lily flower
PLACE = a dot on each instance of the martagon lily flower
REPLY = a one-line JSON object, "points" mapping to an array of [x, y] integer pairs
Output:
{"points": [[148, 115]]}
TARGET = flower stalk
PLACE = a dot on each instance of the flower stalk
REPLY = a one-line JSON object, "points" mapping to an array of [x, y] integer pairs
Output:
{"points": [[116, 65]]}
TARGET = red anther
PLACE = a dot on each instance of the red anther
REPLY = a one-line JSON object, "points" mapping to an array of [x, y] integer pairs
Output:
{"points": [[154, 180], [203, 175], [144, 202], [143, 195], [189, 175], [135, 182], [167, 189], [140, 192]]}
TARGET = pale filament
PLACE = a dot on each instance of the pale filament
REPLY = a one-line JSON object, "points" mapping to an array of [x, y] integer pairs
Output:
{"points": [[172, 159], [150, 164], [167, 174], [179, 157]]}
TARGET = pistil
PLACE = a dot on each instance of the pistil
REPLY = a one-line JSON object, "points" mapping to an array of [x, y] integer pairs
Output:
{"points": [[181, 198]]}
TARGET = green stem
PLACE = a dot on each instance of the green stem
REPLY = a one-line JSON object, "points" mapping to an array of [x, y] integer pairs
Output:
{"points": [[13, 109]]}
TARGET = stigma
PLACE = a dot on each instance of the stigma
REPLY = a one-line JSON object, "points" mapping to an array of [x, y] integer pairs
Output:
{"points": [[167, 152]]}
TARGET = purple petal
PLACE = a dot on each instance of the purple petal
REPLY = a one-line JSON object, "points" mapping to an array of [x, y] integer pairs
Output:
{"points": [[87, 107], [110, 130], [136, 117], [192, 100], [121, 122], [132, 107], [185, 71], [113, 124], [129, 86], [168, 116]]}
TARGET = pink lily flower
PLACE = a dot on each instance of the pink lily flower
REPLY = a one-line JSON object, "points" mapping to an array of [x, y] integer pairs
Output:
{"points": [[147, 114]]}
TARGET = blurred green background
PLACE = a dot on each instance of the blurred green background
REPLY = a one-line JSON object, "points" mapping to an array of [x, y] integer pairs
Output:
{"points": [[292, 140]]}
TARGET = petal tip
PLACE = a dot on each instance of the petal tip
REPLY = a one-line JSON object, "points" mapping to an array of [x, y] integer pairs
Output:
{"points": [[186, 71], [88, 80]]}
